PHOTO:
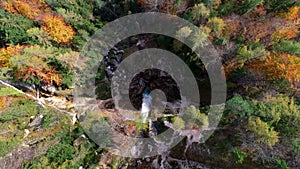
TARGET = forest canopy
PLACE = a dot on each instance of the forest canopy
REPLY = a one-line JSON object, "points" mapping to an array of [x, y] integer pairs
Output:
{"points": [[258, 42]]}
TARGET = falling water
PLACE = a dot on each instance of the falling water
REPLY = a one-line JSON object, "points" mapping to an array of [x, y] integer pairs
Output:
{"points": [[146, 107]]}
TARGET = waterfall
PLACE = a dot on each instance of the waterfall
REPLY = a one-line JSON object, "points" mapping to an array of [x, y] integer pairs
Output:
{"points": [[146, 107]]}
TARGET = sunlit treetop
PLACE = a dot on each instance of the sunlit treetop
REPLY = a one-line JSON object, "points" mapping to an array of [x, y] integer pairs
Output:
{"points": [[55, 26]]}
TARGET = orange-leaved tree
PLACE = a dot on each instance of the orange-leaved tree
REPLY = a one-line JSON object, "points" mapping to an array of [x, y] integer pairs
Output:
{"points": [[38, 10], [278, 66], [46, 76], [30, 8], [33, 68], [55, 26]]}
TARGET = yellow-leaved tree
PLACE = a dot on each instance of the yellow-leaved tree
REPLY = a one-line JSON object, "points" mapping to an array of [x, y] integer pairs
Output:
{"points": [[55, 26]]}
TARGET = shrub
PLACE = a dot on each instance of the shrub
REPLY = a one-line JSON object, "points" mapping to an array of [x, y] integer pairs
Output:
{"points": [[244, 54], [184, 32], [141, 126], [41, 163], [210, 3]]}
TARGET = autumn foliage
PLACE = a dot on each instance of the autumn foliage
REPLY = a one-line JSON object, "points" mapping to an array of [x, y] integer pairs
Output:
{"points": [[28, 66], [279, 65], [292, 14], [37, 10], [6, 53], [36, 74], [48, 77], [30, 8], [56, 27], [284, 34]]}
